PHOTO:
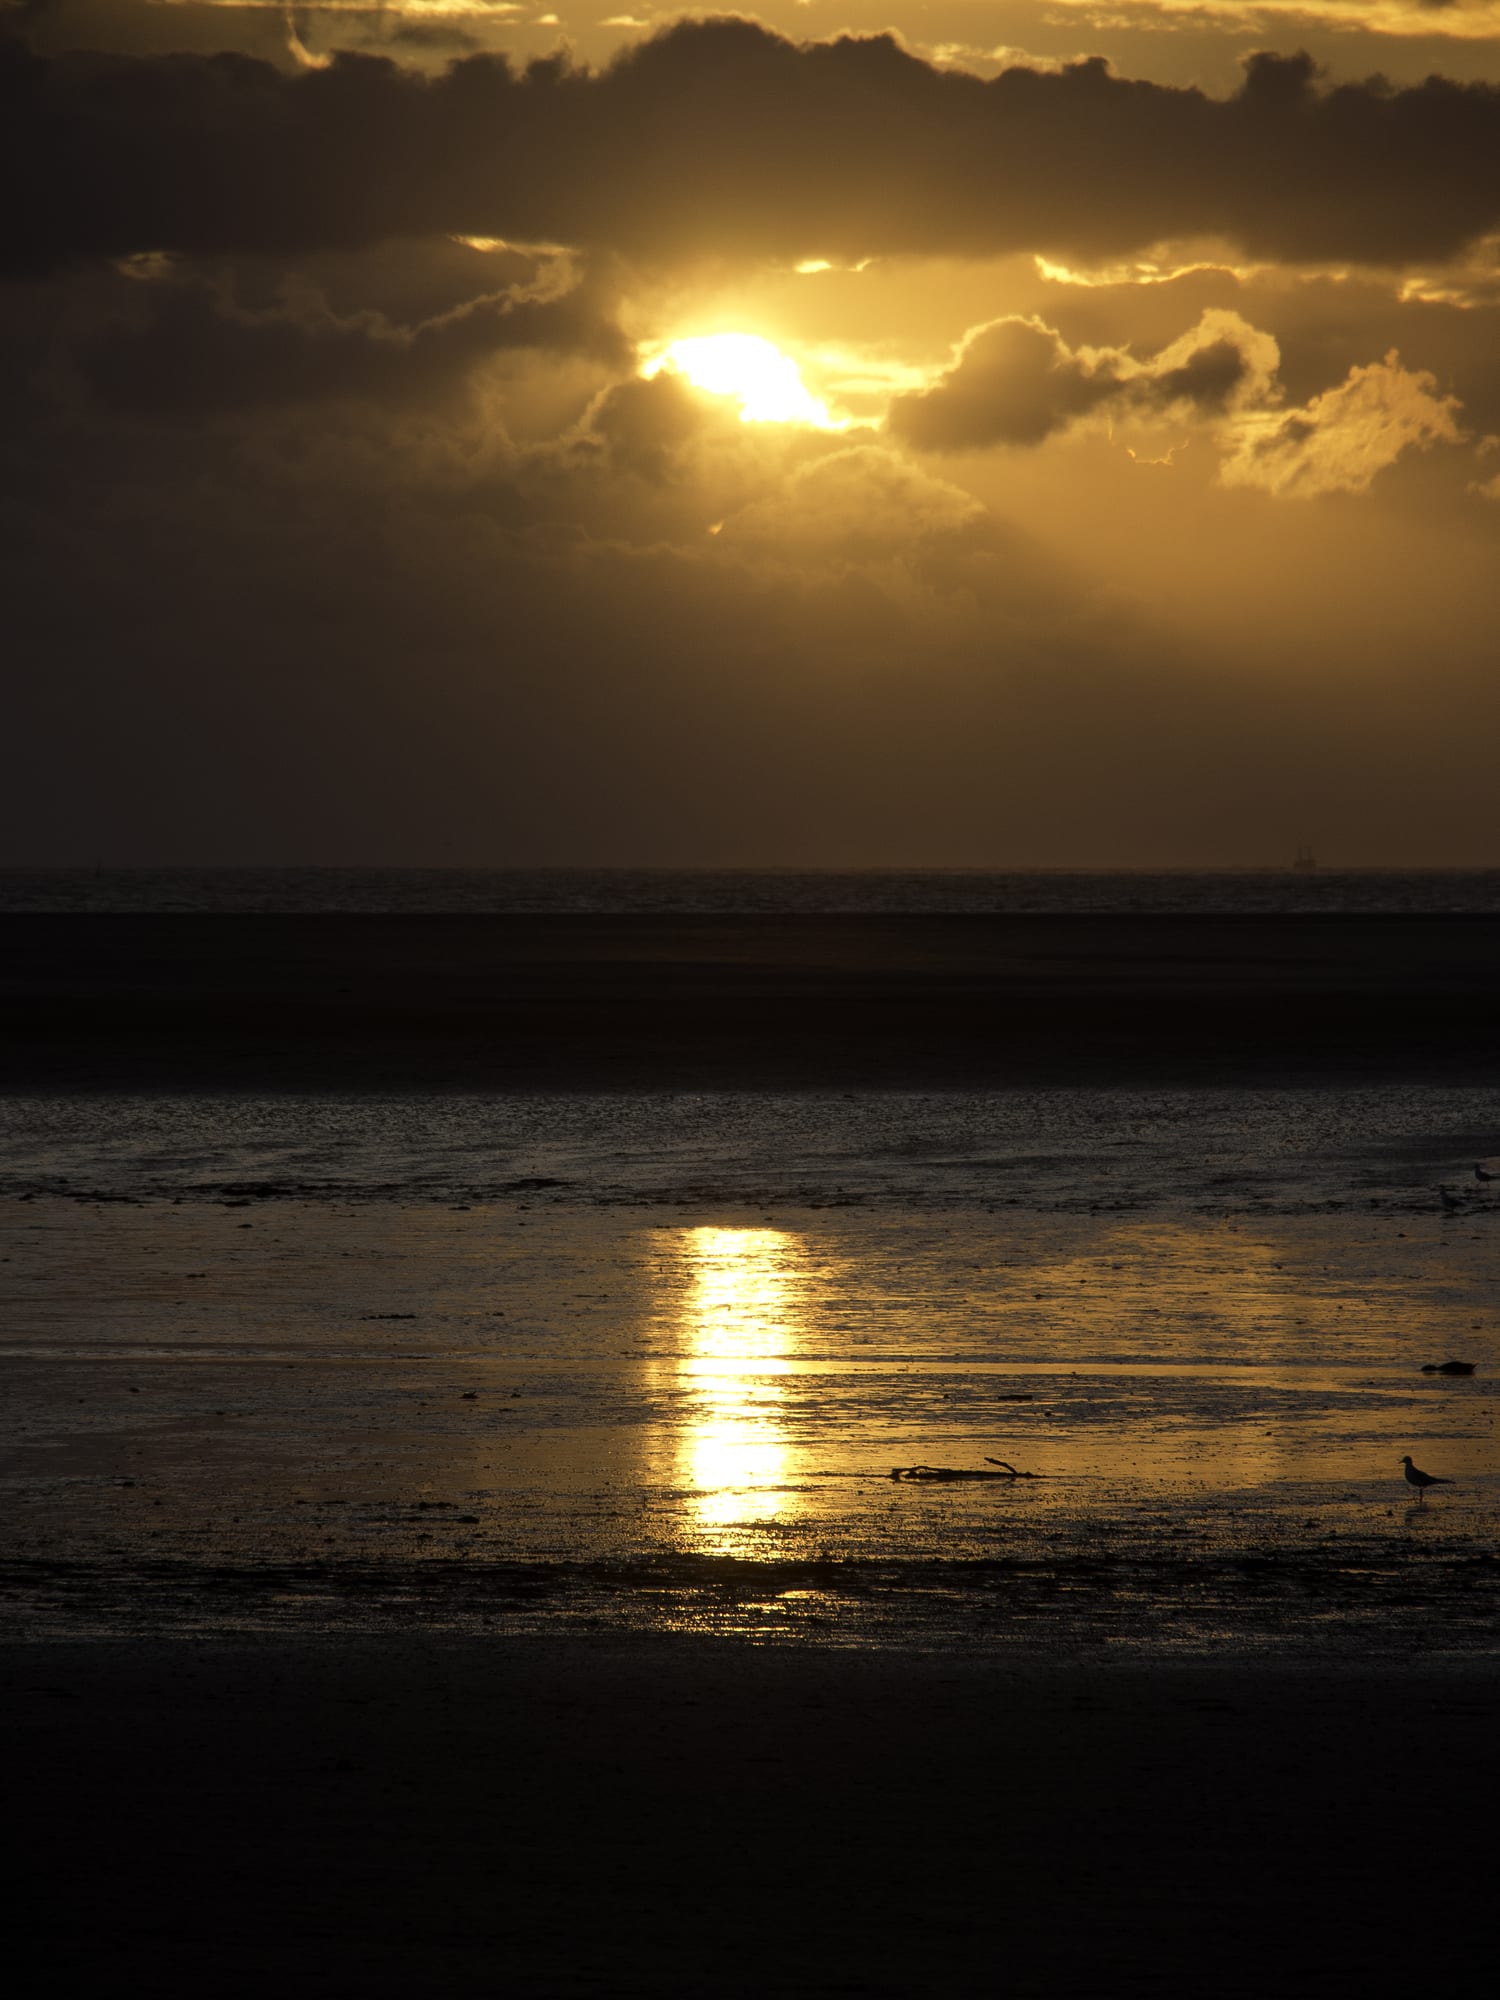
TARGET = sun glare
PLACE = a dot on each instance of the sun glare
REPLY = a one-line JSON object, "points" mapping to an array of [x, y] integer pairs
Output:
{"points": [[740, 1315], [763, 381]]}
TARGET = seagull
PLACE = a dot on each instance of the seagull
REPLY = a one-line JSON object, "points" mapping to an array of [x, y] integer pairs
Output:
{"points": [[1422, 1480]]}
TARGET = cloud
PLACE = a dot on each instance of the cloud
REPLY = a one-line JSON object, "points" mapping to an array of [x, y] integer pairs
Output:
{"points": [[1221, 364], [860, 504], [1016, 381], [440, 577], [186, 348], [353, 631], [1339, 441], [644, 423], [758, 147]]}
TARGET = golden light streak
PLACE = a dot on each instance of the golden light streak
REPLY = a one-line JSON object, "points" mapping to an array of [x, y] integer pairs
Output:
{"points": [[1145, 271], [740, 1319], [1382, 17]]}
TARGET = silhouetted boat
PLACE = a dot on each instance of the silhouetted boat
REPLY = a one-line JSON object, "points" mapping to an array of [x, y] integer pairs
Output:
{"points": [[1304, 861]]}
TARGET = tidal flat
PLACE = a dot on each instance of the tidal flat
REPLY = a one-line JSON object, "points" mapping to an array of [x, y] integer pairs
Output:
{"points": [[587, 1406]]}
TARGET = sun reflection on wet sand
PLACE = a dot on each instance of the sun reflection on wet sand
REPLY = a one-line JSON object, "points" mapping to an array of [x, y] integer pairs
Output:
{"points": [[740, 1324]]}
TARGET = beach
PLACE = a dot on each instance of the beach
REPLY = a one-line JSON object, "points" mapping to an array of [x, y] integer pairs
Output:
{"points": [[685, 1817], [466, 1536]]}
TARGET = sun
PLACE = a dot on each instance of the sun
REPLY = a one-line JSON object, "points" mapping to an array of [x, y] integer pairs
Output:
{"points": [[764, 382]]}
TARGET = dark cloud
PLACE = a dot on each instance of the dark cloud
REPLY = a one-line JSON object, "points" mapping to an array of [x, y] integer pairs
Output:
{"points": [[719, 137], [644, 424], [186, 349], [1017, 381], [1014, 383], [1207, 379], [440, 35], [143, 28]]}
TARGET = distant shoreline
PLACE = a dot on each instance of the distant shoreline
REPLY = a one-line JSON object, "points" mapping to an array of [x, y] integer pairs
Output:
{"points": [[725, 892]]}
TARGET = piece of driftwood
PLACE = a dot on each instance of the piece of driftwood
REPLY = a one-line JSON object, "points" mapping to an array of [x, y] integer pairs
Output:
{"points": [[932, 1474]]}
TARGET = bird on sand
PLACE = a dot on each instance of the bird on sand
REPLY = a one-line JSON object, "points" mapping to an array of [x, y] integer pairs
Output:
{"points": [[1422, 1480]]}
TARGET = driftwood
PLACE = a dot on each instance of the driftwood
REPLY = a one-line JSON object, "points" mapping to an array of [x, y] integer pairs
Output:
{"points": [[933, 1474]]}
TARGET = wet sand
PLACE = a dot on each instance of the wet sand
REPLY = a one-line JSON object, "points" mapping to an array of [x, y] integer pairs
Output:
{"points": [[279, 1416], [754, 1002], [682, 1818]]}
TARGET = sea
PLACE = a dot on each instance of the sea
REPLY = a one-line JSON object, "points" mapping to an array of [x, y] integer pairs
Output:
{"points": [[725, 891], [1079, 1370]]}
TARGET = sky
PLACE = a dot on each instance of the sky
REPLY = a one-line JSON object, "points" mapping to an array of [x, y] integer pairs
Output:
{"points": [[1012, 433]]}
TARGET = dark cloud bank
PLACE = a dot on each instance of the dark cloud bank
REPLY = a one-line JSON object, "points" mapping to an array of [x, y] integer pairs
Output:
{"points": [[719, 137]]}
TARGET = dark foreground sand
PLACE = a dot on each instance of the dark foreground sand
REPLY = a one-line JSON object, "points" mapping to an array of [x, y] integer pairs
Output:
{"points": [[586, 1003], [434, 1816]]}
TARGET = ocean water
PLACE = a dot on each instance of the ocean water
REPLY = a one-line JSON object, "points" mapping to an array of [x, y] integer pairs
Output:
{"points": [[649, 1362], [714, 892]]}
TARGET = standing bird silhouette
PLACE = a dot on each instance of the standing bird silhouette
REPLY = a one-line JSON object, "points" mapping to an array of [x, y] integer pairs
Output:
{"points": [[1422, 1480]]}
